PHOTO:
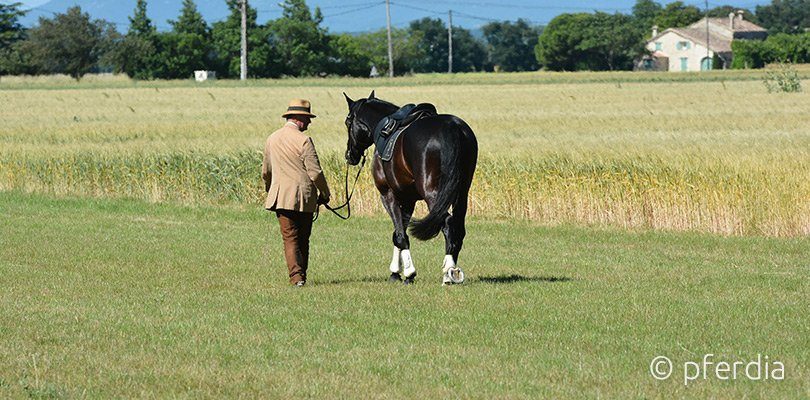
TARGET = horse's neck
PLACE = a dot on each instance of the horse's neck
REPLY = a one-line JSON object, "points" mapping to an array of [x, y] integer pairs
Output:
{"points": [[382, 109]]}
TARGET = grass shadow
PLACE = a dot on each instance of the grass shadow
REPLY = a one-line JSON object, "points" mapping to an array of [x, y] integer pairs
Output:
{"points": [[514, 278]]}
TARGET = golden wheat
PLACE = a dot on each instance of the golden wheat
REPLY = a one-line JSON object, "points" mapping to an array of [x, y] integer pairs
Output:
{"points": [[718, 155]]}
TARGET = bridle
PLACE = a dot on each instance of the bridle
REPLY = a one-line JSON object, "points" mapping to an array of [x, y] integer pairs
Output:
{"points": [[349, 194]]}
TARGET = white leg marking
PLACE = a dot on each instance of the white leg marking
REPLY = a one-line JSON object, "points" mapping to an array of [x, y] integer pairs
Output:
{"points": [[451, 274], [407, 263], [395, 264]]}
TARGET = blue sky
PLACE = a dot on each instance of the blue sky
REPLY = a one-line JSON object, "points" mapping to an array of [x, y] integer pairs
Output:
{"points": [[365, 15]]}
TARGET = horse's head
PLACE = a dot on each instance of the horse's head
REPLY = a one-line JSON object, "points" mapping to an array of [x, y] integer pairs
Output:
{"points": [[364, 114]]}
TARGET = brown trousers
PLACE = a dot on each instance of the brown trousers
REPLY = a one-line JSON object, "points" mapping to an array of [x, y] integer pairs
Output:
{"points": [[295, 227]]}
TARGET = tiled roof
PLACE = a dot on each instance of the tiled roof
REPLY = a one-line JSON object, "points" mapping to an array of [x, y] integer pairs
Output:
{"points": [[717, 43], [739, 25]]}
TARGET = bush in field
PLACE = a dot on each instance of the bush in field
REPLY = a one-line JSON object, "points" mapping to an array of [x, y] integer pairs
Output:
{"points": [[784, 79]]}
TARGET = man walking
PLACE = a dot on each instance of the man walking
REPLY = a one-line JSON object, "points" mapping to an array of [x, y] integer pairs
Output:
{"points": [[295, 185]]}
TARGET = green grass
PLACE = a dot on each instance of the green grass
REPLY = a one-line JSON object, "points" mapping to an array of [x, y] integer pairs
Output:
{"points": [[119, 298]]}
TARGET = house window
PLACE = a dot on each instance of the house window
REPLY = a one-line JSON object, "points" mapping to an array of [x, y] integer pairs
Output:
{"points": [[684, 63], [683, 45], [659, 46], [648, 64]]}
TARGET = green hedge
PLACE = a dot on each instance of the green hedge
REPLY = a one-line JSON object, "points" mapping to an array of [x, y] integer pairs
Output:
{"points": [[777, 48]]}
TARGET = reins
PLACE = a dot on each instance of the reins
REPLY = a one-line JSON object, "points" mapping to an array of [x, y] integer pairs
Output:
{"points": [[349, 195]]}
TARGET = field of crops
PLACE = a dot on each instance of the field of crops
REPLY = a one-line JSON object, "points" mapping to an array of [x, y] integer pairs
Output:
{"points": [[711, 153]]}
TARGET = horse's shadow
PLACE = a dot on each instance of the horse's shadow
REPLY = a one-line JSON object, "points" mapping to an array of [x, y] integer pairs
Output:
{"points": [[515, 278], [499, 279]]}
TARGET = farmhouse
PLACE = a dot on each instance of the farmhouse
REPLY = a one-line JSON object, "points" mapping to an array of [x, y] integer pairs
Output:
{"points": [[700, 46]]}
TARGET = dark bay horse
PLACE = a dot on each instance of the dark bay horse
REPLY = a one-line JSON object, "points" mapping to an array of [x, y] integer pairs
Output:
{"points": [[434, 160]]}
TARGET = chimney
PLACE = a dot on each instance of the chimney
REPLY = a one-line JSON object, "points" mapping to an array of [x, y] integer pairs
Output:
{"points": [[731, 21], [655, 31], [740, 14]]}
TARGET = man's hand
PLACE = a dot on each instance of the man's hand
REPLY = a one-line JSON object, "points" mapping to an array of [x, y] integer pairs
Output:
{"points": [[323, 200]]}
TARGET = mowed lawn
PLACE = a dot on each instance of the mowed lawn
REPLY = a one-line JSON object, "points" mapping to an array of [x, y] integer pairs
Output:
{"points": [[122, 299]]}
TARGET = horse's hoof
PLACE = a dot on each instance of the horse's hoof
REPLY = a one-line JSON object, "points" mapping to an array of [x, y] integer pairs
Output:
{"points": [[395, 277], [410, 280]]}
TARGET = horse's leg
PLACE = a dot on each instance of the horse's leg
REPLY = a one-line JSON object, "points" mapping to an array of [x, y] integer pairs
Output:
{"points": [[454, 233], [401, 261], [409, 269]]}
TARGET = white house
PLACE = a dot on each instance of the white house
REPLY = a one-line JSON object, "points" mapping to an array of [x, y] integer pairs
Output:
{"points": [[694, 47]]}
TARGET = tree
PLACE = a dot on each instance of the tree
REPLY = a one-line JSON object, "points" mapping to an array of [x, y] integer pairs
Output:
{"points": [[677, 14], [511, 45], [724, 11], [406, 48], [187, 48], [469, 53], [226, 38], [137, 54], [190, 21], [69, 43], [10, 29], [597, 42], [645, 12], [302, 44], [350, 56], [557, 49], [785, 16], [11, 34]]}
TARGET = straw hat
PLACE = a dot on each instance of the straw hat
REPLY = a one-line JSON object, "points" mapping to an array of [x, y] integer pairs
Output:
{"points": [[298, 107]]}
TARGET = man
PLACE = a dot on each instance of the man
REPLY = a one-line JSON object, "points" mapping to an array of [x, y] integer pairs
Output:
{"points": [[295, 185]]}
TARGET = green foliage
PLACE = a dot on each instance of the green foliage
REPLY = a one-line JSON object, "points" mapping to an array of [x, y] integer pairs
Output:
{"points": [[301, 43], [70, 43], [469, 53], [645, 12], [785, 16], [596, 42], [263, 57], [677, 14], [191, 21], [784, 79], [406, 49], [777, 48], [511, 45], [351, 57], [724, 11], [11, 30], [140, 24], [11, 34]]}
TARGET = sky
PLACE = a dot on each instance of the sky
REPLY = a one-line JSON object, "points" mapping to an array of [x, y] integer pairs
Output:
{"points": [[369, 15]]}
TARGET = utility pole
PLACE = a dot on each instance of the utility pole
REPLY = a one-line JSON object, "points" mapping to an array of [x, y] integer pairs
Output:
{"points": [[390, 46], [243, 74], [450, 42], [709, 63]]}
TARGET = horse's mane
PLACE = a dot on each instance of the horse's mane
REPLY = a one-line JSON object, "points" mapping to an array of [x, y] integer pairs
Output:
{"points": [[381, 104]]}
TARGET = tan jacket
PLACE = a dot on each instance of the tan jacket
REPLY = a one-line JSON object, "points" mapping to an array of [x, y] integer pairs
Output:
{"points": [[291, 171]]}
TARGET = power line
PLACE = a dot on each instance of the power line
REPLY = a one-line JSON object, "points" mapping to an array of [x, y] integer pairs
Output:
{"points": [[354, 10]]}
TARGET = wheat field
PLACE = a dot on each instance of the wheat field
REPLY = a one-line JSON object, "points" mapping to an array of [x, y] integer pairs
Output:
{"points": [[688, 152]]}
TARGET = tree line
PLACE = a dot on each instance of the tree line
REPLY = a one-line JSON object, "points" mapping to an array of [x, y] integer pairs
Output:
{"points": [[296, 44]]}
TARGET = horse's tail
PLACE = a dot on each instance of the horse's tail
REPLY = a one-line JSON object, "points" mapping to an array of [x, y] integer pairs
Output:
{"points": [[432, 224]]}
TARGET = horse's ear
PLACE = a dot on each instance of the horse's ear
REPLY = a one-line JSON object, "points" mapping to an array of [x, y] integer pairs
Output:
{"points": [[371, 96], [348, 100]]}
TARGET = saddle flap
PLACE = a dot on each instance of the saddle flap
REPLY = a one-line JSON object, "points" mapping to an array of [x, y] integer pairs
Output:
{"points": [[389, 128]]}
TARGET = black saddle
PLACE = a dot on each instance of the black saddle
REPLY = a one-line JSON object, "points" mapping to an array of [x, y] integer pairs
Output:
{"points": [[388, 130]]}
